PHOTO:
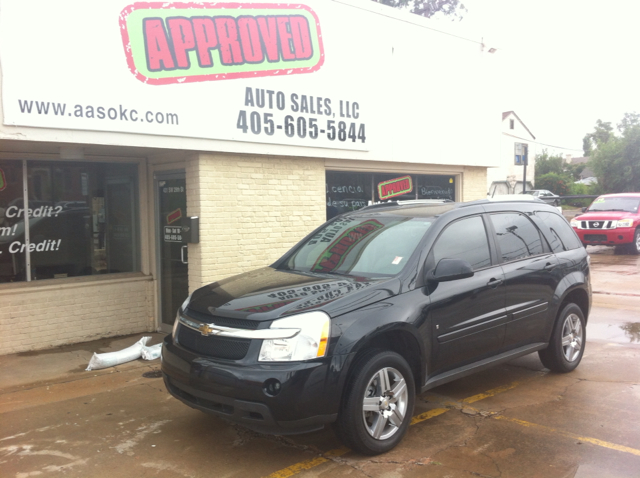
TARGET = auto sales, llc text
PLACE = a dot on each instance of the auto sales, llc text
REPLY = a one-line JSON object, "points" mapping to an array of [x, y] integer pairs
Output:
{"points": [[311, 117]]}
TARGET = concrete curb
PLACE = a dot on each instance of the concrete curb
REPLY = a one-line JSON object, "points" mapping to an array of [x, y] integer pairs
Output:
{"points": [[616, 301]]}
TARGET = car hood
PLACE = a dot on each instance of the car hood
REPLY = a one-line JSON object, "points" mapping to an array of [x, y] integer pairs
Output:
{"points": [[267, 294], [605, 216]]}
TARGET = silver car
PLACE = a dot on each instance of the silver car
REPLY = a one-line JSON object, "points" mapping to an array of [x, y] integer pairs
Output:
{"points": [[546, 196]]}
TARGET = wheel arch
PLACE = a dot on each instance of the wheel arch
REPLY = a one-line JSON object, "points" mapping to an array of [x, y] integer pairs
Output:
{"points": [[401, 339], [577, 296], [575, 287]]}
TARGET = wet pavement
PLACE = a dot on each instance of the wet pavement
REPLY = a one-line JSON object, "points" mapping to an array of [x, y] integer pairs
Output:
{"points": [[516, 420]]}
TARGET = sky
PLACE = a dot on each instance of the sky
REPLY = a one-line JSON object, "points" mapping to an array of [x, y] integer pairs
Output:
{"points": [[561, 64]]}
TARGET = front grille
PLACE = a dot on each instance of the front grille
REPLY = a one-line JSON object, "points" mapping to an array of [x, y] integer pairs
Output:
{"points": [[212, 346], [222, 321], [595, 237], [597, 224]]}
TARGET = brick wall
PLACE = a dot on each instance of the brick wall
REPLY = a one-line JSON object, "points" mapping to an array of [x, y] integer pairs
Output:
{"points": [[38, 315], [251, 209], [474, 183]]}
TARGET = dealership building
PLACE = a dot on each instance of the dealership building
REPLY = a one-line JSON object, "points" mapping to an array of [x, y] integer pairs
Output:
{"points": [[147, 149]]}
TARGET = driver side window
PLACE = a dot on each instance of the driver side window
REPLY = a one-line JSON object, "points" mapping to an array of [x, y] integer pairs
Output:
{"points": [[465, 239]]}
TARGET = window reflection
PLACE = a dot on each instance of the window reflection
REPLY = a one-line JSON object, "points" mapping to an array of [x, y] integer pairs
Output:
{"points": [[82, 220], [516, 235]]}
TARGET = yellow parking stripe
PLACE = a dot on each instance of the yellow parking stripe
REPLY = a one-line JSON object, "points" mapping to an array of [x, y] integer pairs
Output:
{"points": [[298, 467], [593, 441], [306, 465], [430, 414], [491, 393]]}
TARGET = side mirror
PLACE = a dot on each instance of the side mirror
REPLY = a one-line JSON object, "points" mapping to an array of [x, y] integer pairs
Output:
{"points": [[450, 269], [584, 209]]}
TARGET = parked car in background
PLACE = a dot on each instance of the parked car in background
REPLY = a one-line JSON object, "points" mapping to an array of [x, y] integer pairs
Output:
{"points": [[611, 220], [376, 305], [546, 196]]}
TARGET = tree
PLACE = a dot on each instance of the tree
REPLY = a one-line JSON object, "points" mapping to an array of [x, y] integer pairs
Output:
{"points": [[615, 158], [548, 164], [554, 182], [554, 174], [602, 133], [428, 8]]}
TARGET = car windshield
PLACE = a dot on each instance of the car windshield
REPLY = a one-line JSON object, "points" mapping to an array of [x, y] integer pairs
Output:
{"points": [[364, 246], [627, 204]]}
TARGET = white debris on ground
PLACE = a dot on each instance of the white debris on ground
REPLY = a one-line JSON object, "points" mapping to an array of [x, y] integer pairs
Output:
{"points": [[134, 352]]}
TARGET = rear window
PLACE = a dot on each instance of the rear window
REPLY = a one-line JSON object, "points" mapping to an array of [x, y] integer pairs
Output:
{"points": [[516, 236], [562, 237]]}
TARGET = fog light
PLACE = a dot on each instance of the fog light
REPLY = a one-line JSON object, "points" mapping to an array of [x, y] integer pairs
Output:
{"points": [[620, 237], [271, 387]]}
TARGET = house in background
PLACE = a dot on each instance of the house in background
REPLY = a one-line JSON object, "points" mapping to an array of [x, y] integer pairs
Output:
{"points": [[507, 178], [587, 176]]}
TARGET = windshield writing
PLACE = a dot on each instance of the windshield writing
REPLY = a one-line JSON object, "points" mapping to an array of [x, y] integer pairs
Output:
{"points": [[361, 246]]}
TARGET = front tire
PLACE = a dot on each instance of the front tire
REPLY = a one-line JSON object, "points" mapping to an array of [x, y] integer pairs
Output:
{"points": [[634, 247], [378, 407], [568, 338]]}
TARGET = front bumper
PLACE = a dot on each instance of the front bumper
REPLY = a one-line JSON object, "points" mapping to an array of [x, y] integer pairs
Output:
{"points": [[307, 399], [610, 237]]}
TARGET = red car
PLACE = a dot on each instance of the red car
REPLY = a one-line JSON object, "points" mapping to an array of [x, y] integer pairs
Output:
{"points": [[611, 220]]}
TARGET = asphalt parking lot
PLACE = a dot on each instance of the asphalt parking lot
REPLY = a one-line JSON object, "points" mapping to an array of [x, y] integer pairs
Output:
{"points": [[516, 420]]}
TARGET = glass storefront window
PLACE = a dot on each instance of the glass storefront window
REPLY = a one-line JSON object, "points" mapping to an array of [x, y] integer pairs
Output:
{"points": [[436, 187], [348, 191], [82, 217]]}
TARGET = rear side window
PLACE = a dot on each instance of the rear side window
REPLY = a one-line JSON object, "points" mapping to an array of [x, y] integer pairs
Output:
{"points": [[465, 239], [516, 236], [562, 237]]}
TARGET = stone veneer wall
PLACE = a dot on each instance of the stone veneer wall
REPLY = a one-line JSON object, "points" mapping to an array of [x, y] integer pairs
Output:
{"points": [[43, 314], [252, 209], [474, 183]]}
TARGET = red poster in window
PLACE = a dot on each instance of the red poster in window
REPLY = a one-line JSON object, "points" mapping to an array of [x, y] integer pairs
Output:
{"points": [[395, 187], [3, 181], [174, 216]]}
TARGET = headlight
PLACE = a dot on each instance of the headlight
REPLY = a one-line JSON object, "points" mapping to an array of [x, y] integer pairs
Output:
{"points": [[311, 342], [175, 323], [575, 223], [625, 223]]}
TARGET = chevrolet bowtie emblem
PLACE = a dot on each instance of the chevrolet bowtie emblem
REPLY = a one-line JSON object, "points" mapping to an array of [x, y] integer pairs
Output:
{"points": [[205, 329]]}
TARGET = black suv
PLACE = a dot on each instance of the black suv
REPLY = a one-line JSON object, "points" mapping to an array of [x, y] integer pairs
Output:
{"points": [[375, 305]]}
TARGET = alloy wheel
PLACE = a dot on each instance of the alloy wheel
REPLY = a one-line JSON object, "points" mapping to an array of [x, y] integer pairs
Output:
{"points": [[572, 337], [385, 403]]}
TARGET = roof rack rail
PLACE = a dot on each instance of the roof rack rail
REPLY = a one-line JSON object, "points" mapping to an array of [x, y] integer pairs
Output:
{"points": [[409, 202]]}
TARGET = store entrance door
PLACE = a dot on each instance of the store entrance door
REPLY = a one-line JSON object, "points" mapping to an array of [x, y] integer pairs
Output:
{"points": [[173, 264]]}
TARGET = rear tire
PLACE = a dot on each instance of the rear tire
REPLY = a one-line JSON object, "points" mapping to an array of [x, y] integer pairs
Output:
{"points": [[378, 406], [568, 338]]}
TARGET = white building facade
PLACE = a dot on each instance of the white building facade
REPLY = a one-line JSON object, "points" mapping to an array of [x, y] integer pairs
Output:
{"points": [[128, 127], [508, 177]]}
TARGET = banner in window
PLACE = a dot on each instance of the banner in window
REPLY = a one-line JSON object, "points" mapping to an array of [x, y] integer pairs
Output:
{"points": [[82, 220]]}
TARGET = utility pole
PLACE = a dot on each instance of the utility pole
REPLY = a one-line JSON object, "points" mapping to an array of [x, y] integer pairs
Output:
{"points": [[525, 162], [521, 158]]}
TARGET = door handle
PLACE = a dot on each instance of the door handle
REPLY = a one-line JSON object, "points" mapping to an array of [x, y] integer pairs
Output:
{"points": [[493, 283], [182, 249], [549, 266]]}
